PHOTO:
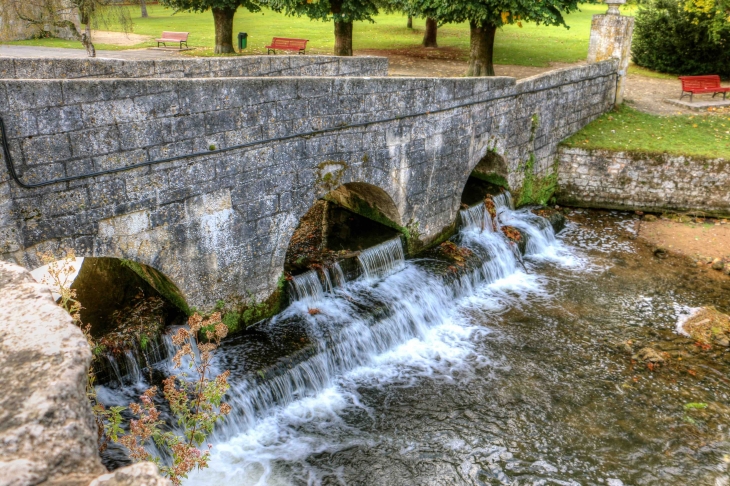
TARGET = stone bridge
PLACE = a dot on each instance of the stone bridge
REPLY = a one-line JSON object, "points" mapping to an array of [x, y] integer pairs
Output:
{"points": [[202, 169]]}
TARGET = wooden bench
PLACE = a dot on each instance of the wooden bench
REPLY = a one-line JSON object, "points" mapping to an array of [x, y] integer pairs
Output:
{"points": [[702, 84], [285, 44], [181, 37]]}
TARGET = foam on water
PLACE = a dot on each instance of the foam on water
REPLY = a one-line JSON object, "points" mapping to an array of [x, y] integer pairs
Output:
{"points": [[426, 333]]}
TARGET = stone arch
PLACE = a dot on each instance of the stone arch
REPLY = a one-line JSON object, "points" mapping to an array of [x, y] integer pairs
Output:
{"points": [[368, 201], [490, 175], [104, 285], [374, 215], [492, 168]]}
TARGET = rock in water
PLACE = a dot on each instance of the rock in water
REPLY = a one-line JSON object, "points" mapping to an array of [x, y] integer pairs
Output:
{"points": [[649, 355]]}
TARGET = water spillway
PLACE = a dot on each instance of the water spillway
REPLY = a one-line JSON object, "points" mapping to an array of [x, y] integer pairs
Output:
{"points": [[489, 374]]}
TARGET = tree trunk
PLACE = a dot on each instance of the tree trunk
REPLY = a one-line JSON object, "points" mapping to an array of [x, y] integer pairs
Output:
{"points": [[343, 38], [86, 40], [410, 21], [429, 38], [143, 7], [223, 18], [481, 56]]}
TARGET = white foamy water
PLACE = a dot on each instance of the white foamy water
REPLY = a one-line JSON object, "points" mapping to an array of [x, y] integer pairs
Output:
{"points": [[426, 333]]}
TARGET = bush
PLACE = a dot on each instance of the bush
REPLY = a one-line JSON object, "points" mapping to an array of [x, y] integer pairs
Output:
{"points": [[670, 39]]}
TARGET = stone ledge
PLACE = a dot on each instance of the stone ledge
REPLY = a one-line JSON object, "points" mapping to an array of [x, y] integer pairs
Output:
{"points": [[47, 431]]}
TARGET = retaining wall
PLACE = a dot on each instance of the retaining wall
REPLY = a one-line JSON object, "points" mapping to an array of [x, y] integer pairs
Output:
{"points": [[244, 66], [626, 180], [218, 224]]}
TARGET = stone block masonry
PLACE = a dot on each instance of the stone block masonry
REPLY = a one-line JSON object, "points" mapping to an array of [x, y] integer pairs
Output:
{"points": [[245, 66], [218, 224], [47, 430], [640, 181]]}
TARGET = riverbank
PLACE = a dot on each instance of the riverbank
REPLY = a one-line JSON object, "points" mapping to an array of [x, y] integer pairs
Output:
{"points": [[703, 242]]}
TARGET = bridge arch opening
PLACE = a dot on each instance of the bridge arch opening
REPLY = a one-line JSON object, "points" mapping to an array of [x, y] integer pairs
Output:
{"points": [[490, 176], [348, 219], [126, 307]]}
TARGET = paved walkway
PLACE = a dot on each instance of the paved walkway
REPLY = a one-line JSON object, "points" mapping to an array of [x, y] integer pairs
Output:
{"points": [[61, 52], [644, 93]]}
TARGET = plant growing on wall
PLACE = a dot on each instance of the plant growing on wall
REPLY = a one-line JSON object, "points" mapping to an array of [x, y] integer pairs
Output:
{"points": [[223, 13], [197, 404], [51, 15], [341, 12], [486, 16]]}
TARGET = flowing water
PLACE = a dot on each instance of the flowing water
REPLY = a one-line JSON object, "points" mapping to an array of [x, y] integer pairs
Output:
{"points": [[510, 374]]}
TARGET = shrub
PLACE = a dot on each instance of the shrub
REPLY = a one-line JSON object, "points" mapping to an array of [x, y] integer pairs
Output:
{"points": [[673, 39]]}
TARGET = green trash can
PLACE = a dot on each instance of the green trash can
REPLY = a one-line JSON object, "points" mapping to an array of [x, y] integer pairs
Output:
{"points": [[242, 40]]}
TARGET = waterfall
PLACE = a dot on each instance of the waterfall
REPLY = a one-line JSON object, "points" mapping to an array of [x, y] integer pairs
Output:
{"points": [[338, 276], [396, 302], [308, 286], [503, 201], [476, 217], [382, 260], [412, 301]]}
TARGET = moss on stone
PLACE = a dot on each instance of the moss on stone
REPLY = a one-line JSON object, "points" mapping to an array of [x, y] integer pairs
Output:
{"points": [[492, 178], [252, 312], [537, 190], [160, 283]]}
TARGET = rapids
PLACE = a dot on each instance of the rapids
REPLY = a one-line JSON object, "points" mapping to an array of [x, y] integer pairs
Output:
{"points": [[506, 375]]}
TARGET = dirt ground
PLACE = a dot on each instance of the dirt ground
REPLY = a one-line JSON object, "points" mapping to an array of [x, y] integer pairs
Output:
{"points": [[445, 62], [117, 38], [705, 240]]}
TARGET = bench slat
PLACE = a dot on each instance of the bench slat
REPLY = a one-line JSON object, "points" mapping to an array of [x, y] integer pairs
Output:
{"points": [[288, 44]]}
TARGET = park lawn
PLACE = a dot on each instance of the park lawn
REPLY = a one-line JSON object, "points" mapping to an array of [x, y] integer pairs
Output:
{"points": [[626, 129], [530, 45]]}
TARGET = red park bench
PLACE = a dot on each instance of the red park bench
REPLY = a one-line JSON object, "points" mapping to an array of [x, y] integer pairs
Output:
{"points": [[285, 44], [181, 37], [702, 84]]}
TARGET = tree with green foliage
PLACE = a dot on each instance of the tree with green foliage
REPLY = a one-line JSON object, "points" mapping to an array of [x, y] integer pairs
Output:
{"points": [[50, 16], [682, 37], [486, 16], [223, 13], [342, 12]]}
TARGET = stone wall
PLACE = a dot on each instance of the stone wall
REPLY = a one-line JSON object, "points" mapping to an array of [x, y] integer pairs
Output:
{"points": [[47, 430], [244, 66], [218, 224], [626, 180]]}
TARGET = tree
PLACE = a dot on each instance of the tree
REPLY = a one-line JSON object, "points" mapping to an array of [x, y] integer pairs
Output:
{"points": [[342, 12], [674, 37], [717, 11], [58, 14], [223, 13], [429, 37], [486, 16], [143, 8]]}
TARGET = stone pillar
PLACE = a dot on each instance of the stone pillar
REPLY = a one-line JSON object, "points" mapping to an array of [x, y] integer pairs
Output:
{"points": [[611, 39]]}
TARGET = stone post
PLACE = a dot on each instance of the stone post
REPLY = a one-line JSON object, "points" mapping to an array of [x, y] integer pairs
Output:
{"points": [[611, 39]]}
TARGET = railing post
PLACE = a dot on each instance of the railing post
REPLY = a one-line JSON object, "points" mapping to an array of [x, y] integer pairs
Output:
{"points": [[611, 39]]}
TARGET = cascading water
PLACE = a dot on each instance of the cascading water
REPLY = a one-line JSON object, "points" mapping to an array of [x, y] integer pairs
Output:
{"points": [[476, 217], [308, 286], [382, 260], [356, 324]]}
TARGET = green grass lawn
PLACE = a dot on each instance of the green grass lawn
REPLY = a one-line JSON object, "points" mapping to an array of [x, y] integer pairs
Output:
{"points": [[528, 46], [626, 129]]}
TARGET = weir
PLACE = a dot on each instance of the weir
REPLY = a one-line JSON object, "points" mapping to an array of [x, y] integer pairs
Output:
{"points": [[356, 322]]}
